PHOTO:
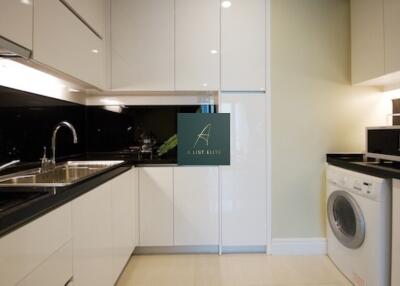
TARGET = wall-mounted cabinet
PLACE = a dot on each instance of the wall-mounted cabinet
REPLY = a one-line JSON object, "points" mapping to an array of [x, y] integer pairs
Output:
{"points": [[142, 36], [197, 44], [243, 46], [375, 41], [93, 12], [16, 21], [65, 44]]}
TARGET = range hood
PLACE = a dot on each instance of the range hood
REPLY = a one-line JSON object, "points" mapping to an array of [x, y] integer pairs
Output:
{"points": [[9, 49]]}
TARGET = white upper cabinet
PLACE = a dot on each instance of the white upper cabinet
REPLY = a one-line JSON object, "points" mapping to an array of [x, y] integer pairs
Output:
{"points": [[16, 21], [197, 44], [93, 12], [142, 33], [196, 206], [156, 195], [367, 40], [243, 45], [392, 35], [375, 42], [64, 43]]}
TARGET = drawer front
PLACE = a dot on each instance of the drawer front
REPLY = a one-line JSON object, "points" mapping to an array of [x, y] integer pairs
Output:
{"points": [[55, 271], [26, 248]]}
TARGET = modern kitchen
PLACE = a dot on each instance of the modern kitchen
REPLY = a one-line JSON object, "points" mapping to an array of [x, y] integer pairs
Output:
{"points": [[214, 142]]}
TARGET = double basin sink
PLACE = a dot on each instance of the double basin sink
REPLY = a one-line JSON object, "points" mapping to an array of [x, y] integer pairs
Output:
{"points": [[62, 175]]}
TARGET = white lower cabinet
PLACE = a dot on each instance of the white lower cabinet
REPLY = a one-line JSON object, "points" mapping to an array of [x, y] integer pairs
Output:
{"points": [[92, 237], [122, 222], [156, 206], [25, 252], [196, 206], [55, 271]]}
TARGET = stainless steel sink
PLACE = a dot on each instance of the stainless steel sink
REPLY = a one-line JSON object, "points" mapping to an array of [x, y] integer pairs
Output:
{"points": [[62, 175]]}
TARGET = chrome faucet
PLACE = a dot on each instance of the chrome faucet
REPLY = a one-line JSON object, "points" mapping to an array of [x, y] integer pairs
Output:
{"points": [[9, 164], [53, 138]]}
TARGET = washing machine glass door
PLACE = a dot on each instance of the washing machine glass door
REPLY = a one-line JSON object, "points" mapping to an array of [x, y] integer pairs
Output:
{"points": [[346, 219]]}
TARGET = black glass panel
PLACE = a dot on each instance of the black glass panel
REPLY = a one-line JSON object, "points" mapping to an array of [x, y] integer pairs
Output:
{"points": [[344, 216], [27, 121]]}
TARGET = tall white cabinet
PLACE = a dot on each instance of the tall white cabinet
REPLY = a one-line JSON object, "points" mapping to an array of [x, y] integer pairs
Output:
{"points": [[197, 44], [243, 46], [243, 183]]}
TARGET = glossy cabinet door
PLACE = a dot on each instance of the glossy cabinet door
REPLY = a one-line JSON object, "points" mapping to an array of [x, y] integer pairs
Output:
{"points": [[16, 21], [243, 46], [64, 43], [156, 206], [56, 270], [367, 40], [135, 206], [196, 206], [93, 237], [142, 36], [243, 183], [396, 233], [25, 249], [392, 35], [122, 216], [197, 44], [93, 12]]}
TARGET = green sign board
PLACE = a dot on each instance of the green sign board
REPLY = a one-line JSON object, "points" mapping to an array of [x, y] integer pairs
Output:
{"points": [[204, 139]]}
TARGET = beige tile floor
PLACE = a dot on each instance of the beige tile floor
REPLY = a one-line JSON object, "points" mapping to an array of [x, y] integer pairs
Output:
{"points": [[231, 270]]}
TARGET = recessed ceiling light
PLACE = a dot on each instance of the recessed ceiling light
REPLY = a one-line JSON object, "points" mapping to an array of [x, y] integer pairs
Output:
{"points": [[95, 51], [205, 84], [26, 2], [226, 4], [214, 52], [73, 90]]}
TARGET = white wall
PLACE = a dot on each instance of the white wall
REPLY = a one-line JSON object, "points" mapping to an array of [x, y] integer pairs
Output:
{"points": [[314, 109]]}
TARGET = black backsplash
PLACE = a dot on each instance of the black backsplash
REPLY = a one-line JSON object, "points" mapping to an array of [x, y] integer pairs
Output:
{"points": [[27, 121]]}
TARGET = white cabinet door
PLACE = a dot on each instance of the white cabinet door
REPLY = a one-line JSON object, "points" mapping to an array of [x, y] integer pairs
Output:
{"points": [[392, 35], [16, 19], [93, 12], [244, 190], [135, 204], [55, 271], [64, 43], [196, 206], [25, 249], [92, 238], [197, 40], [122, 210], [142, 44], [156, 206], [367, 40], [396, 233], [243, 45]]}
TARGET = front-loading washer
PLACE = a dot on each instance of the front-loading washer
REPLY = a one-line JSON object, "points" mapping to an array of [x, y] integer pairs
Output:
{"points": [[359, 226]]}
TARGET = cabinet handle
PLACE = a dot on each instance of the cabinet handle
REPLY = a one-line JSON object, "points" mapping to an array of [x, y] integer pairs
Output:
{"points": [[69, 282]]}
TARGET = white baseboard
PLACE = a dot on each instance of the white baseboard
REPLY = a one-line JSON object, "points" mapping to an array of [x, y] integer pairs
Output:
{"points": [[298, 246]]}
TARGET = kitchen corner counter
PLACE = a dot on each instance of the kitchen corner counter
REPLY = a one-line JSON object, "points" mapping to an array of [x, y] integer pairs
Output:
{"points": [[356, 162], [52, 198]]}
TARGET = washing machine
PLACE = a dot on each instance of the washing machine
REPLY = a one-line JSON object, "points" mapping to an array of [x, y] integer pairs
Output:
{"points": [[359, 226]]}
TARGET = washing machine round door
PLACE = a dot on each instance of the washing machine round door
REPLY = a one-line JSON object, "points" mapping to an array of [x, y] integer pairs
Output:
{"points": [[346, 219]]}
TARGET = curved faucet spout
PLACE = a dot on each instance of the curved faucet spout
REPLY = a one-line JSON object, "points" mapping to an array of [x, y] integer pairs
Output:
{"points": [[54, 137]]}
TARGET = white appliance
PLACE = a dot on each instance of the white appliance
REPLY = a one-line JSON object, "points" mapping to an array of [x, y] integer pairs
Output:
{"points": [[359, 226]]}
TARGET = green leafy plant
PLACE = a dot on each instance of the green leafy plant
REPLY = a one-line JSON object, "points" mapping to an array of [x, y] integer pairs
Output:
{"points": [[168, 145]]}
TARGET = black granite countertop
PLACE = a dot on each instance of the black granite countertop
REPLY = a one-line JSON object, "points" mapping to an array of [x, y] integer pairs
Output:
{"points": [[356, 162], [49, 199]]}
